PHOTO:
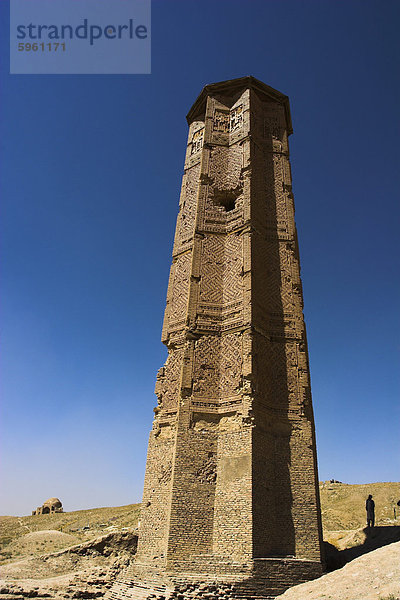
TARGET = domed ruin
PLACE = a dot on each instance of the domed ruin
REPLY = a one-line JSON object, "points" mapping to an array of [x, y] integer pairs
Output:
{"points": [[52, 505]]}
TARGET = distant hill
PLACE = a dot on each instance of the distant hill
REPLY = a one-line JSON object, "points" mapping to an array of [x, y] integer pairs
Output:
{"points": [[83, 525], [342, 505]]}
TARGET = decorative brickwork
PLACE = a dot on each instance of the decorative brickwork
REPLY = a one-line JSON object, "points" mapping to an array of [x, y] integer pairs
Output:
{"points": [[230, 506]]}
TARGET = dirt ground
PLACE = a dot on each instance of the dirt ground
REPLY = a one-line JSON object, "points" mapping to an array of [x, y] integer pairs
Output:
{"points": [[373, 576], [82, 571], [88, 570]]}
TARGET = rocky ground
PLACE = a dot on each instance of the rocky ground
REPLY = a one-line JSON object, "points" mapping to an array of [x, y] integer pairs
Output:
{"points": [[82, 571]]}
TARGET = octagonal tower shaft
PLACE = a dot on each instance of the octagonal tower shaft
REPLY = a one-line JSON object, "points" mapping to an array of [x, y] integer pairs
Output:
{"points": [[231, 470]]}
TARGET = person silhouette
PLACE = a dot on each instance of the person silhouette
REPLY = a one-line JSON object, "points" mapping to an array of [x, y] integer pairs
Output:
{"points": [[370, 508]]}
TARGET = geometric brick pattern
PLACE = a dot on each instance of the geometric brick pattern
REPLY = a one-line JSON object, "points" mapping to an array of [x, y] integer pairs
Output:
{"points": [[168, 380], [187, 213], [225, 167], [180, 286], [218, 366]]}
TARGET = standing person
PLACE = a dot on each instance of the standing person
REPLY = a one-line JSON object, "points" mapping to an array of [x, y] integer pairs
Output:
{"points": [[370, 508]]}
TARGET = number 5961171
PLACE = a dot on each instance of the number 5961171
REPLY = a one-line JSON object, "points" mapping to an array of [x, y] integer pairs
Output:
{"points": [[42, 47]]}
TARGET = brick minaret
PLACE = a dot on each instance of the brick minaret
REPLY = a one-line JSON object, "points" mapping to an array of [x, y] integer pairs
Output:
{"points": [[231, 487]]}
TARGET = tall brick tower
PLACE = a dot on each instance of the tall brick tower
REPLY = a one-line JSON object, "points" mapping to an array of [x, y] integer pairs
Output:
{"points": [[231, 502]]}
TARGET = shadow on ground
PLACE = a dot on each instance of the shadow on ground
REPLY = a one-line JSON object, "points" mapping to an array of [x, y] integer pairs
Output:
{"points": [[375, 537]]}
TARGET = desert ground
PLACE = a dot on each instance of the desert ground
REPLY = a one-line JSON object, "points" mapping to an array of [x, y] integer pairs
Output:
{"points": [[78, 554]]}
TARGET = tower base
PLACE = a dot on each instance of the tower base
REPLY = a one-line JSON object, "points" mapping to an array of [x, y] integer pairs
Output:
{"points": [[261, 579]]}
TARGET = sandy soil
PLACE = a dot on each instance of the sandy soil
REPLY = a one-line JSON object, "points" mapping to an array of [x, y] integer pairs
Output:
{"points": [[373, 576]]}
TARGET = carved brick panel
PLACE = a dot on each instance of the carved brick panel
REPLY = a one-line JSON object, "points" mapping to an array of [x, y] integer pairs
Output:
{"points": [[168, 380], [180, 287], [197, 141], [217, 366], [188, 205], [236, 120], [221, 121]]}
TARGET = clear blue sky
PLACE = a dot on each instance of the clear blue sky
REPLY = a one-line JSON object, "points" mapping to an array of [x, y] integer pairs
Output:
{"points": [[90, 177]]}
